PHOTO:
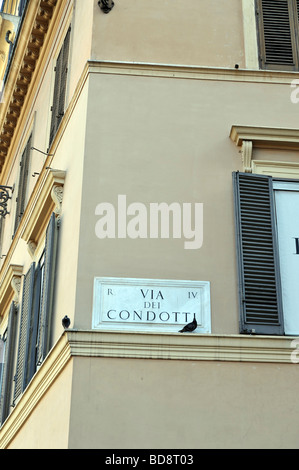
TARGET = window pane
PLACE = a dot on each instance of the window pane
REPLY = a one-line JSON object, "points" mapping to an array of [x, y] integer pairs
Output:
{"points": [[287, 210]]}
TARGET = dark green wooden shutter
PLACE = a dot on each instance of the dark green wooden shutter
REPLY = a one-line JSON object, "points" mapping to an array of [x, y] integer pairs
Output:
{"points": [[27, 302], [23, 179], [33, 321], [63, 80], [7, 378], [47, 292], [60, 87], [278, 34], [259, 278]]}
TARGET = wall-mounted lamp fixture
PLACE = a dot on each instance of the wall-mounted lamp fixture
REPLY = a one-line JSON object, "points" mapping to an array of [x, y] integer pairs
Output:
{"points": [[106, 5], [4, 197]]}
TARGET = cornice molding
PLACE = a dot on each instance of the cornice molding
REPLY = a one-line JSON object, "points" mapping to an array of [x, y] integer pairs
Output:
{"points": [[45, 199], [195, 72], [32, 35], [211, 347], [10, 286], [164, 346], [266, 137]]}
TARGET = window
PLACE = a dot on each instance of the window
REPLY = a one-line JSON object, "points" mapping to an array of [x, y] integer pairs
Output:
{"points": [[61, 70], [278, 28], [23, 179], [7, 375], [267, 228], [36, 312]]}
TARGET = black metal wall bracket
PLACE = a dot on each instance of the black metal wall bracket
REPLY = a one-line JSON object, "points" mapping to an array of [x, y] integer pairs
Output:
{"points": [[106, 5], [4, 197]]}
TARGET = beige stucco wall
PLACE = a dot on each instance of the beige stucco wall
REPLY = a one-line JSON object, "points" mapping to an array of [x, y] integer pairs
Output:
{"points": [[154, 139], [154, 404], [158, 139], [68, 152], [209, 32], [48, 426]]}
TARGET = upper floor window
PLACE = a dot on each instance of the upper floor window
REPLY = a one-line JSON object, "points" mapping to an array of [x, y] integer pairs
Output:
{"points": [[61, 69], [36, 311], [278, 28], [23, 180], [267, 226], [28, 334]]}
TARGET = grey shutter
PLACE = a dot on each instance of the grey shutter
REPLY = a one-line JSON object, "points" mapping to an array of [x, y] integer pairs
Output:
{"points": [[23, 178], [63, 78], [59, 87], [259, 278], [32, 329], [278, 34], [27, 302], [47, 291], [7, 378], [55, 105]]}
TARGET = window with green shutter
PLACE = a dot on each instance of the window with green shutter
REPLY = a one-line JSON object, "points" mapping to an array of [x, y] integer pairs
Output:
{"points": [[267, 238], [61, 70], [47, 290], [23, 180], [36, 312], [7, 374], [24, 332], [277, 22]]}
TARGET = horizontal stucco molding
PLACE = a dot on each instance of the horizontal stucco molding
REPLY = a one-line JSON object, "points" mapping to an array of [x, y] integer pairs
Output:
{"points": [[165, 346], [193, 72], [210, 347]]}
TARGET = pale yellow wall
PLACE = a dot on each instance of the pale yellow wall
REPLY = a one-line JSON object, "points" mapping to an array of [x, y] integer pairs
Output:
{"points": [[167, 140], [205, 32], [148, 404], [69, 152], [70, 157], [48, 426]]}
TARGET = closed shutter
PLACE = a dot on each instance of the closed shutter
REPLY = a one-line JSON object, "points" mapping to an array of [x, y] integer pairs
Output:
{"points": [[23, 178], [7, 378], [27, 302], [63, 79], [259, 279], [60, 87], [278, 34], [47, 291], [33, 321]]}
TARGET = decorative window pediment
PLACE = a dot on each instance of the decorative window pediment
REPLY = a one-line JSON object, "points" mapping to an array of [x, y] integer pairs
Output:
{"points": [[249, 137], [10, 287], [47, 198]]}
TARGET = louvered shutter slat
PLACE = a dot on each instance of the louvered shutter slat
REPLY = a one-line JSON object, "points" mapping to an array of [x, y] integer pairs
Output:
{"points": [[7, 378], [260, 298]]}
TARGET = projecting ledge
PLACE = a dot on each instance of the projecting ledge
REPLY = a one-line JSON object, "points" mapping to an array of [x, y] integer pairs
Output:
{"points": [[239, 348], [266, 137]]}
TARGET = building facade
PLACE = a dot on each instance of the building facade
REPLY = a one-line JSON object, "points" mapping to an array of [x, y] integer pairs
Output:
{"points": [[149, 159]]}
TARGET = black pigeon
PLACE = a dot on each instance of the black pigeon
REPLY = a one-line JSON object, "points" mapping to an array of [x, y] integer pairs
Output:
{"points": [[66, 322], [190, 326]]}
